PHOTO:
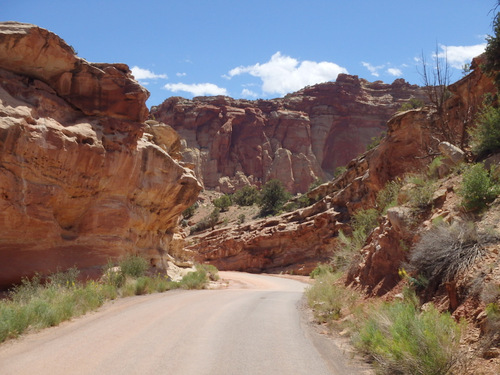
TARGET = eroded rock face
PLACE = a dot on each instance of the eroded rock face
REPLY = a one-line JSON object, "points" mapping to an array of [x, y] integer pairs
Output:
{"points": [[298, 240], [296, 139], [82, 178]]}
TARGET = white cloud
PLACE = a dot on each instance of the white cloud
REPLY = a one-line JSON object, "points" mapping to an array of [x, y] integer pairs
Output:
{"points": [[246, 93], [395, 72], [283, 74], [141, 74], [373, 69], [197, 89], [458, 56], [181, 74]]}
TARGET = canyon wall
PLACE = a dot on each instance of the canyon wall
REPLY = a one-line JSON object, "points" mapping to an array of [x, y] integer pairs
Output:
{"points": [[83, 176], [296, 139], [296, 241]]}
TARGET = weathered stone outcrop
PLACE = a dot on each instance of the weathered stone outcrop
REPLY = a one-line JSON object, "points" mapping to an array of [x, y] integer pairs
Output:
{"points": [[82, 178], [296, 139], [294, 242], [412, 141]]}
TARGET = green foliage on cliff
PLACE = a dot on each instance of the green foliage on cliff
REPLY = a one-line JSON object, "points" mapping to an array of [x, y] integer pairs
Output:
{"points": [[272, 198]]}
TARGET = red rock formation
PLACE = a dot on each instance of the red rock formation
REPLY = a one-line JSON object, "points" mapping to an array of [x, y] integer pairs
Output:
{"points": [[297, 139], [82, 178], [297, 240]]}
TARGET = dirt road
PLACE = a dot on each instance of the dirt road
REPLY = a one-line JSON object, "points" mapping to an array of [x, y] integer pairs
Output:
{"points": [[253, 326]]}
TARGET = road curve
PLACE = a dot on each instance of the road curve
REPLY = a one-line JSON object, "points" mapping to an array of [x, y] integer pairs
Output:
{"points": [[252, 327]]}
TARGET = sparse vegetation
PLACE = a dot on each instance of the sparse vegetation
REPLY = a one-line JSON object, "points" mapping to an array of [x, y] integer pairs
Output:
{"points": [[402, 339], [446, 251], [422, 189], [189, 212], [246, 196], [272, 198], [327, 298], [209, 221], [388, 196], [320, 270], [375, 141], [485, 136], [347, 249], [413, 103], [478, 188], [34, 304], [223, 203]]}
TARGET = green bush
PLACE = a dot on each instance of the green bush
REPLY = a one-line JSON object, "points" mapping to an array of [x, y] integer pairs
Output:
{"points": [[478, 188], [211, 271], [189, 212], [420, 195], [321, 269], [241, 218], [375, 141], [209, 221], [413, 103], [194, 280], [134, 266], [404, 340], [339, 170], [272, 198], [327, 299], [388, 196], [222, 203], [485, 136], [347, 249], [246, 196]]}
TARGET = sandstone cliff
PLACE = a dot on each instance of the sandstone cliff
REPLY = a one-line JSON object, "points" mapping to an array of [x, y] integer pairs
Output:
{"points": [[297, 241], [82, 177], [296, 139]]}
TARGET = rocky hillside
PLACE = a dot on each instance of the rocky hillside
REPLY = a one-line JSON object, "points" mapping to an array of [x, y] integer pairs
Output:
{"points": [[83, 177], [296, 139], [296, 241]]}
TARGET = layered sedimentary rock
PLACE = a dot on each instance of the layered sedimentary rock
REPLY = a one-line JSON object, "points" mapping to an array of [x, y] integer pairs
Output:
{"points": [[296, 241], [295, 139], [82, 177]]}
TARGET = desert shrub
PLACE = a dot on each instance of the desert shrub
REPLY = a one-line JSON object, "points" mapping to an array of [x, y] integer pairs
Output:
{"points": [[317, 182], [113, 275], [211, 271], [222, 203], [134, 266], [339, 170], [404, 340], [194, 280], [388, 196], [421, 191], [491, 66], [328, 299], [272, 198], [413, 103], [321, 269], [485, 136], [241, 218], [375, 141], [478, 188], [445, 251], [209, 221], [65, 278], [189, 212], [434, 166], [347, 248], [246, 196]]}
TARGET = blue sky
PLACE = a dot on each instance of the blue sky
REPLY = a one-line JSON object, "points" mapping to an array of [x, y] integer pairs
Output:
{"points": [[261, 48]]}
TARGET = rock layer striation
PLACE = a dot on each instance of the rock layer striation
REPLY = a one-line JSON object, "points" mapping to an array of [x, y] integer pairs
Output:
{"points": [[296, 139], [82, 177]]}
